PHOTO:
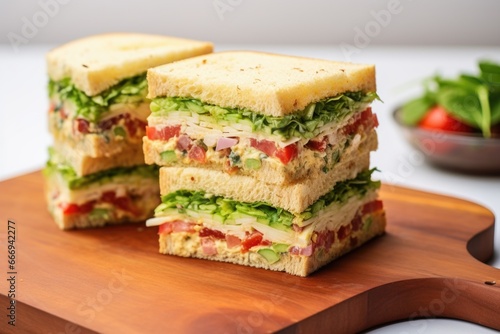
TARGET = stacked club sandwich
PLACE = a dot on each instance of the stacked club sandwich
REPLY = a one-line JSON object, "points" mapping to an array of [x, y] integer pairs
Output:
{"points": [[96, 173], [266, 159]]}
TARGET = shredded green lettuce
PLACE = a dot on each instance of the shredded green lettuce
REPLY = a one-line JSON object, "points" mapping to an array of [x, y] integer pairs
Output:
{"points": [[302, 124], [342, 191], [74, 181], [132, 90], [224, 209]]}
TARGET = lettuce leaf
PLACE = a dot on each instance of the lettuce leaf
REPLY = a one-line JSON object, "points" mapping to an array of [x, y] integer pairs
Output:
{"points": [[342, 191], [131, 90], [302, 124], [75, 182], [184, 201]]}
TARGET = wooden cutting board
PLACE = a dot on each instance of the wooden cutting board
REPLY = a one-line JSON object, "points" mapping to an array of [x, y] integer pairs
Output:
{"points": [[112, 280]]}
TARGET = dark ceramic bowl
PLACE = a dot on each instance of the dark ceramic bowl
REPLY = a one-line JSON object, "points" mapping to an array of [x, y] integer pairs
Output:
{"points": [[468, 153]]}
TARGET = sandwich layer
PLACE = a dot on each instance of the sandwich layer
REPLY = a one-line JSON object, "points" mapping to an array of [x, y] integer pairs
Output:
{"points": [[269, 84], [244, 152], [112, 196], [294, 197], [99, 62], [276, 224], [103, 125], [118, 139], [325, 244], [103, 212]]}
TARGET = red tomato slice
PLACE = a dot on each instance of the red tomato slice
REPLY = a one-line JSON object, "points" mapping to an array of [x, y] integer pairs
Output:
{"points": [[287, 153], [252, 240], [126, 204], [62, 113], [123, 203], [437, 118], [207, 232], [343, 232], [134, 125], [71, 208], [108, 197], [82, 125], [315, 145], [164, 133], [108, 123], [266, 146], [375, 120], [366, 119], [373, 206], [356, 223]]}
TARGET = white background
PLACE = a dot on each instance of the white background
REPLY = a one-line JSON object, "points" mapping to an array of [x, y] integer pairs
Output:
{"points": [[420, 39], [419, 22]]}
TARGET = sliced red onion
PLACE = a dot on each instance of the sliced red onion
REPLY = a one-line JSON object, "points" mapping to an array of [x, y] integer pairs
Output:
{"points": [[223, 143]]}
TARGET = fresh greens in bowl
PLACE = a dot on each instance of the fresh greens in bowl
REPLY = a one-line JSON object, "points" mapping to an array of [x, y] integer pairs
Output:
{"points": [[467, 104]]}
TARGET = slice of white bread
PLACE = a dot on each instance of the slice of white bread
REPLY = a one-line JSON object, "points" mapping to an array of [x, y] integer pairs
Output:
{"points": [[294, 197], [84, 164], [265, 83], [190, 245], [98, 62]]}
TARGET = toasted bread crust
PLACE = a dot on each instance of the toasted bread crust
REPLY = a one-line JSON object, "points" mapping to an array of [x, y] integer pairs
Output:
{"points": [[265, 83], [84, 164], [189, 245], [98, 62]]}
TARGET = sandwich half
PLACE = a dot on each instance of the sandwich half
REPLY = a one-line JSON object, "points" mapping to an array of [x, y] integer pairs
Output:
{"points": [[209, 224], [277, 118], [96, 174], [98, 88], [110, 196]]}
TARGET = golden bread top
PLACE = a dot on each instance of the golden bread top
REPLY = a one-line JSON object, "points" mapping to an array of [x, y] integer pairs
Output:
{"points": [[98, 62], [266, 83]]}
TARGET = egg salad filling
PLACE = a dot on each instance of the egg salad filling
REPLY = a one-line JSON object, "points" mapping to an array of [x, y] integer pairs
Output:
{"points": [[121, 190], [188, 131], [244, 224], [119, 112]]}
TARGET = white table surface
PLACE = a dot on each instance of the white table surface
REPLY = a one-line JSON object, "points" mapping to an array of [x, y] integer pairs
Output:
{"points": [[24, 136]]}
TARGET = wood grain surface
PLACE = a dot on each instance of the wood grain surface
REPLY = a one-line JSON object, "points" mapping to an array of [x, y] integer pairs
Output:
{"points": [[112, 280]]}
